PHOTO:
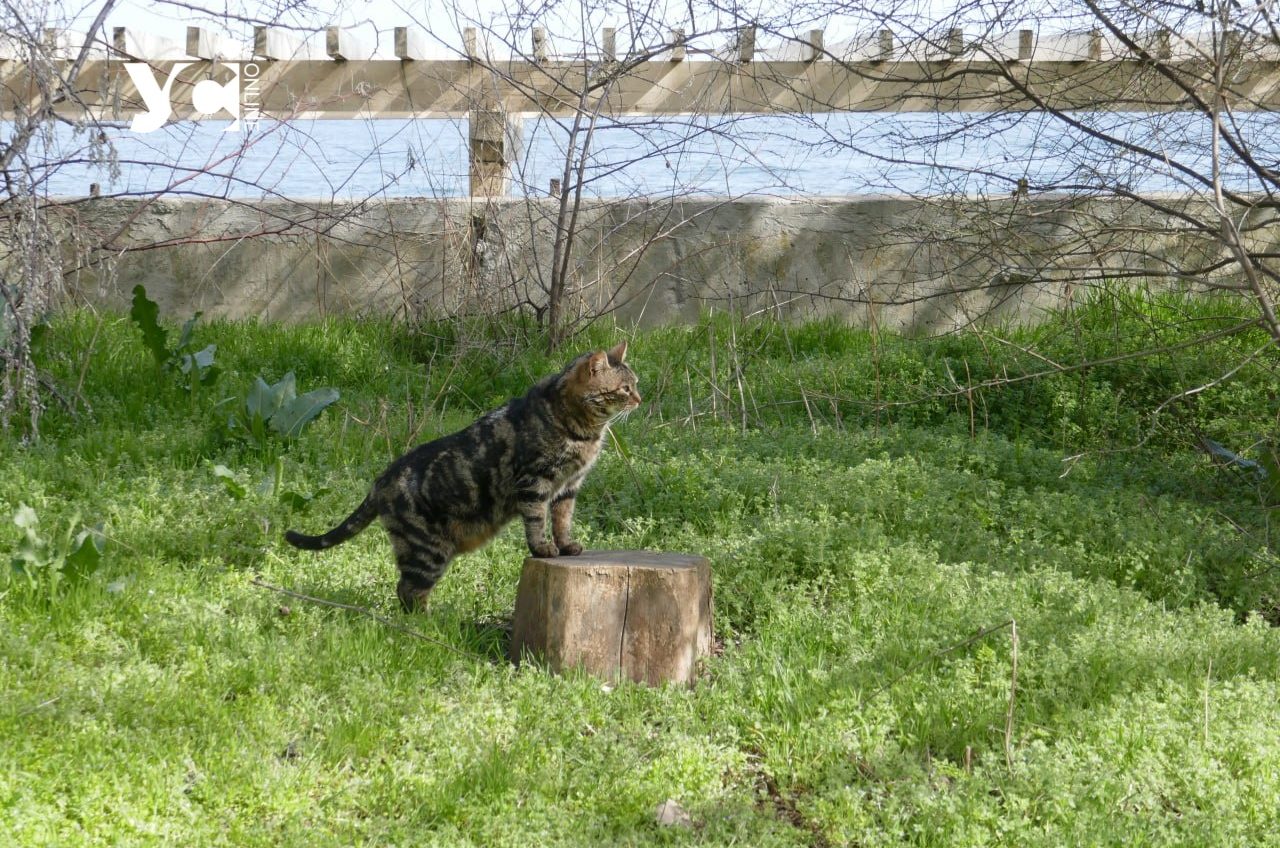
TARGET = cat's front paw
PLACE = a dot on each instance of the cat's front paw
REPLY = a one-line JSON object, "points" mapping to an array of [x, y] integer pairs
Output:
{"points": [[544, 549], [570, 549]]}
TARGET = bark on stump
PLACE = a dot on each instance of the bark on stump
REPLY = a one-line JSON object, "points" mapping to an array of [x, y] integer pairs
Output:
{"points": [[636, 614]]}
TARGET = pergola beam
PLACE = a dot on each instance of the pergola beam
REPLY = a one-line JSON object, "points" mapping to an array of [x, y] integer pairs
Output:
{"points": [[337, 76], [439, 88]]}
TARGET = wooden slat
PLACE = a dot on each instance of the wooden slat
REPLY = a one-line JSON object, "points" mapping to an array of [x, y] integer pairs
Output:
{"points": [[145, 46], [205, 44], [410, 43], [342, 45], [1072, 47], [864, 47], [1004, 47], [281, 45], [677, 45], [448, 87], [815, 41], [66, 44], [936, 47], [1026, 44]]}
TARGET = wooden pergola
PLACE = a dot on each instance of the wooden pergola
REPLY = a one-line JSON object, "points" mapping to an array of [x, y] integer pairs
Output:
{"points": [[284, 77]]}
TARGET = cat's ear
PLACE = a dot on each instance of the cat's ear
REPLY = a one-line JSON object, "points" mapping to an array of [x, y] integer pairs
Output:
{"points": [[618, 353], [597, 362]]}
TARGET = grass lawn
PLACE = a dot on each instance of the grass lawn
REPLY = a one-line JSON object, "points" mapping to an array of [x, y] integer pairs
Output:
{"points": [[875, 549]]}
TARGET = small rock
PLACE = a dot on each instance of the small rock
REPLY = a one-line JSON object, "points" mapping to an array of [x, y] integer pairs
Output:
{"points": [[671, 814], [283, 611]]}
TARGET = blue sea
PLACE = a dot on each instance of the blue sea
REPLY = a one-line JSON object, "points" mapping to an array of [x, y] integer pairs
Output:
{"points": [[919, 154]]}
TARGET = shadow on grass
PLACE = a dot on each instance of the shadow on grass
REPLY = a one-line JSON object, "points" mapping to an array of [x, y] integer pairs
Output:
{"points": [[490, 637], [487, 639]]}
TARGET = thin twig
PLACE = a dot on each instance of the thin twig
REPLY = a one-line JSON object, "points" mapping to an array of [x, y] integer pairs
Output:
{"points": [[88, 355], [981, 634], [35, 708], [1208, 682], [711, 333], [737, 374], [627, 460], [1013, 694], [1215, 381], [381, 619]]}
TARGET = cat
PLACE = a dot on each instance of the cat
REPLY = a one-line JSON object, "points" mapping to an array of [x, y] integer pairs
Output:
{"points": [[452, 495]]}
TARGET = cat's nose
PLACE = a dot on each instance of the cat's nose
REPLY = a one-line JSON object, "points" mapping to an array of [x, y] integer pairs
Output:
{"points": [[635, 397]]}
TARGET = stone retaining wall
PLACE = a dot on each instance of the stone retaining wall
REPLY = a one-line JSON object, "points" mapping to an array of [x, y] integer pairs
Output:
{"points": [[907, 264]]}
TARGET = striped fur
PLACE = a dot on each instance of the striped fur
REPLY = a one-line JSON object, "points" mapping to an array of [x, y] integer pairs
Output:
{"points": [[526, 458]]}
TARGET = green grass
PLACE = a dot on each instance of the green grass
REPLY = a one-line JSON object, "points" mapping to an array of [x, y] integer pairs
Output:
{"points": [[868, 560]]}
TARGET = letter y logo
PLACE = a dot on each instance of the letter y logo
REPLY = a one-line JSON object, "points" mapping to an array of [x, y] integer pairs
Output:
{"points": [[156, 99], [207, 96]]}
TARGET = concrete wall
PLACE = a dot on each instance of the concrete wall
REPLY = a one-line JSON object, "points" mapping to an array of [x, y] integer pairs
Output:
{"points": [[913, 265]]}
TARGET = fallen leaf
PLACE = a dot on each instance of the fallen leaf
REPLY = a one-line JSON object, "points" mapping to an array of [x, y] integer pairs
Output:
{"points": [[671, 814]]}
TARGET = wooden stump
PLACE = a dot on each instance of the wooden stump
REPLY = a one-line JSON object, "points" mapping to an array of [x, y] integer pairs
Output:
{"points": [[615, 614]]}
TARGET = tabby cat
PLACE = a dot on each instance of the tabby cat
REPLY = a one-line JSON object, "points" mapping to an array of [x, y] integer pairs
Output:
{"points": [[452, 495]]}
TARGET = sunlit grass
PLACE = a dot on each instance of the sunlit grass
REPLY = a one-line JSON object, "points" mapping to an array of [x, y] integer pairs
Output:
{"points": [[858, 552]]}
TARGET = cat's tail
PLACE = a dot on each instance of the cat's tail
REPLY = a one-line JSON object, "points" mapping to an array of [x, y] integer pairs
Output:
{"points": [[356, 521]]}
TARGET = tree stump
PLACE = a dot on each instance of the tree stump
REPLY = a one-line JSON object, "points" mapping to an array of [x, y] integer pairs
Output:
{"points": [[635, 614]]}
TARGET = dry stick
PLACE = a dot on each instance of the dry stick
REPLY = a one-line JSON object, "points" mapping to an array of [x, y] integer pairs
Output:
{"points": [[1208, 681], [1215, 381], [381, 619], [966, 390], [627, 460], [996, 383], [711, 331], [968, 378], [983, 336], [37, 707], [567, 230], [1231, 235], [84, 368], [693, 419], [1013, 693], [804, 396], [875, 362], [981, 634], [737, 373]]}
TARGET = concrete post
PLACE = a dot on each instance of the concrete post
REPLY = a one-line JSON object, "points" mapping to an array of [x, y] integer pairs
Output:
{"points": [[496, 141]]}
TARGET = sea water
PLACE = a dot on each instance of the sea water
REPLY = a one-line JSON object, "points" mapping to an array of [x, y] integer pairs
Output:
{"points": [[919, 154]]}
